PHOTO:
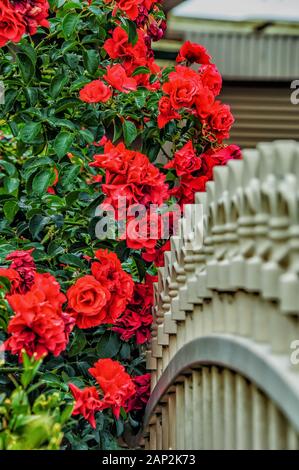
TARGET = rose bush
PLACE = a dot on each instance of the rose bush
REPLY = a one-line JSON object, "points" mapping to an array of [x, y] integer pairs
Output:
{"points": [[91, 122]]}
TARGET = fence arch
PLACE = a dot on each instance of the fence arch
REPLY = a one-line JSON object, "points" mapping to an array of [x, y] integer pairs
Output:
{"points": [[226, 314]]}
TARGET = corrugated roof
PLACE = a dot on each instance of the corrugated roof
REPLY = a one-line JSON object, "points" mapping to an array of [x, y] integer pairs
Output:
{"points": [[236, 10], [251, 56]]}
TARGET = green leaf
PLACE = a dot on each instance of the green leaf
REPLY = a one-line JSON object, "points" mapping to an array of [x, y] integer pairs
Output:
{"points": [[9, 167], [108, 346], [42, 181], [78, 344], [119, 427], [91, 61], [69, 176], [10, 98], [66, 414], [79, 83], [131, 28], [31, 94], [11, 185], [141, 70], [10, 210], [118, 130], [57, 84], [63, 143], [130, 132], [29, 51], [30, 132], [69, 24], [55, 248], [72, 260], [87, 135], [26, 66], [37, 224]]}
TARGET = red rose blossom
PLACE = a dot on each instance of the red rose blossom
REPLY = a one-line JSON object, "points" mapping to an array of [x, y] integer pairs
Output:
{"points": [[86, 301], [115, 382], [185, 160], [130, 174], [108, 271], [95, 92], [129, 7], [204, 102], [39, 324], [33, 12], [87, 403], [220, 121], [196, 181], [192, 52], [118, 47], [23, 263], [137, 318], [144, 231], [182, 87], [12, 25], [211, 78], [142, 395], [166, 112], [116, 77], [156, 256]]}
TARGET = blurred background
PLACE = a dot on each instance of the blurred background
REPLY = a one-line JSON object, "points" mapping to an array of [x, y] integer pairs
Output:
{"points": [[255, 46]]}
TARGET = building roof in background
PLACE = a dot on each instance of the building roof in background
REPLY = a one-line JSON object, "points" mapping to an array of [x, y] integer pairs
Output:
{"points": [[240, 10]]}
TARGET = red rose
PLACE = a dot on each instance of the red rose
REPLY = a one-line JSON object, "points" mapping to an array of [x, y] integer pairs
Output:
{"points": [[183, 86], [116, 77], [185, 160], [148, 4], [108, 272], [23, 263], [119, 47], [220, 121], [157, 255], [204, 102], [39, 326], [12, 26], [222, 156], [144, 231], [130, 174], [130, 7], [86, 300], [107, 266], [128, 325], [34, 13], [137, 319], [87, 403], [143, 79], [95, 92], [188, 187], [142, 395], [211, 78], [166, 112], [116, 384], [192, 52]]}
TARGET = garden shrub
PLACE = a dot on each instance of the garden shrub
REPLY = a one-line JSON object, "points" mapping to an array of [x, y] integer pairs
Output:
{"points": [[91, 124]]}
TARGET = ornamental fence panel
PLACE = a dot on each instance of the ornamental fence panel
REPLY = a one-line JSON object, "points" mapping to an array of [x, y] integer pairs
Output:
{"points": [[224, 352]]}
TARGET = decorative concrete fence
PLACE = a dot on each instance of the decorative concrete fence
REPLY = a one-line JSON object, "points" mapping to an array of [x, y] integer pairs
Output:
{"points": [[223, 351]]}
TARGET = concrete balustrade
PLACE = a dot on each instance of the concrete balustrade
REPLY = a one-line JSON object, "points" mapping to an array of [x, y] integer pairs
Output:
{"points": [[226, 312]]}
